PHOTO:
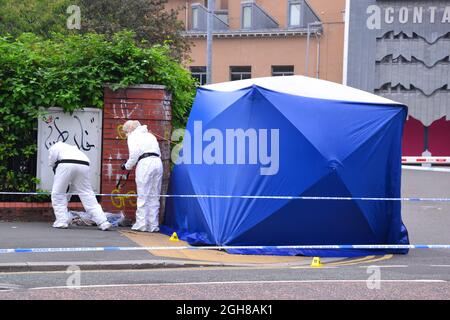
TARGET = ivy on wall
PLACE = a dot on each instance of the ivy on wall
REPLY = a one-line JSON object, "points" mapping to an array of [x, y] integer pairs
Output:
{"points": [[70, 72]]}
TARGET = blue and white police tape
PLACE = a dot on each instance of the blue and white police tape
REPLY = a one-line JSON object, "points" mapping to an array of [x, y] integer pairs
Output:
{"points": [[302, 247], [235, 196]]}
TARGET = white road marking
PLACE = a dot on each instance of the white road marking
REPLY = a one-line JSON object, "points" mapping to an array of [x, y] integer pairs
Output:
{"points": [[215, 268], [440, 265], [309, 267], [437, 169], [238, 282], [8, 286], [387, 266], [160, 269]]}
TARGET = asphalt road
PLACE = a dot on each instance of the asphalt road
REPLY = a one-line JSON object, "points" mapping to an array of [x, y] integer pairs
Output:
{"points": [[396, 281], [422, 274]]}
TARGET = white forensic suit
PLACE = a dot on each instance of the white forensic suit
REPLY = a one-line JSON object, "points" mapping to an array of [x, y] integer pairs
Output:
{"points": [[149, 172], [72, 168]]}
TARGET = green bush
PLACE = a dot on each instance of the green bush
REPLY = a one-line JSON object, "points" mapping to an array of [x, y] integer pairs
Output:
{"points": [[70, 72]]}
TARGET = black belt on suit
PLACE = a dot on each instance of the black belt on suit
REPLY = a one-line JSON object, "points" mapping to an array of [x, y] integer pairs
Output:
{"points": [[69, 161], [148, 154]]}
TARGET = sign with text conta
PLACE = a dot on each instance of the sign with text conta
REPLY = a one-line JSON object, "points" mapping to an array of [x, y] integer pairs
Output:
{"points": [[83, 129]]}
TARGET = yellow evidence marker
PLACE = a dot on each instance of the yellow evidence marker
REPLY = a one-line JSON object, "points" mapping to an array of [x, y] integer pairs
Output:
{"points": [[174, 237], [316, 262]]}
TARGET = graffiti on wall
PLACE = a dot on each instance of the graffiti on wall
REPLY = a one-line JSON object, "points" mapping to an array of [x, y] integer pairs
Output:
{"points": [[56, 134], [124, 110], [121, 201], [127, 110], [81, 129]]}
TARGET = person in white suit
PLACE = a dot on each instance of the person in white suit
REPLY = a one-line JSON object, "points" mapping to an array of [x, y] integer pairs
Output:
{"points": [[144, 152], [71, 167]]}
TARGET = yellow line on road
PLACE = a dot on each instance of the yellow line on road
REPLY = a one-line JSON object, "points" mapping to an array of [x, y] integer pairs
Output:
{"points": [[149, 240], [367, 259], [385, 257], [347, 261]]}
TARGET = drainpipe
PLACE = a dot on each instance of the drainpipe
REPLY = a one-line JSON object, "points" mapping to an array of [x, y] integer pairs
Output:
{"points": [[307, 53], [316, 23], [186, 13], [318, 56]]}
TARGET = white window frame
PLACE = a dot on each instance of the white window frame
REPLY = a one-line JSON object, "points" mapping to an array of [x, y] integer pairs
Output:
{"points": [[241, 74], [282, 73], [199, 74], [291, 4], [247, 8], [195, 13]]}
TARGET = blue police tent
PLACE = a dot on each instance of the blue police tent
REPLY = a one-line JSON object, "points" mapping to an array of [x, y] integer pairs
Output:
{"points": [[289, 137]]}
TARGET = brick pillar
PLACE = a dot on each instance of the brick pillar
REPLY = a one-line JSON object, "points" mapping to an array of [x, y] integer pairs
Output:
{"points": [[151, 105]]}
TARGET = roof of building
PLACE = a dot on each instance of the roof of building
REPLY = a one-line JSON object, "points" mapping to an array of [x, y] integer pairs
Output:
{"points": [[305, 87]]}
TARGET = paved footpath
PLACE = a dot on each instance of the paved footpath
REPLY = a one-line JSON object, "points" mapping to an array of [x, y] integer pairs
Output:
{"points": [[42, 235], [177, 274], [427, 222]]}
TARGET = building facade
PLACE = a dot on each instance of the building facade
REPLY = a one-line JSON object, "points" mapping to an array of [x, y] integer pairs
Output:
{"points": [[266, 38], [401, 50]]}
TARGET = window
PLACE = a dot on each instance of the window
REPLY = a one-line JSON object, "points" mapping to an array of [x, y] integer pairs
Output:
{"points": [[294, 14], [222, 15], [253, 16], [199, 73], [246, 17], [282, 71], [240, 73], [195, 18]]}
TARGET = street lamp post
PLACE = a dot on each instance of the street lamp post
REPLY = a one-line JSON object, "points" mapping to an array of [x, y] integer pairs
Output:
{"points": [[209, 39]]}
